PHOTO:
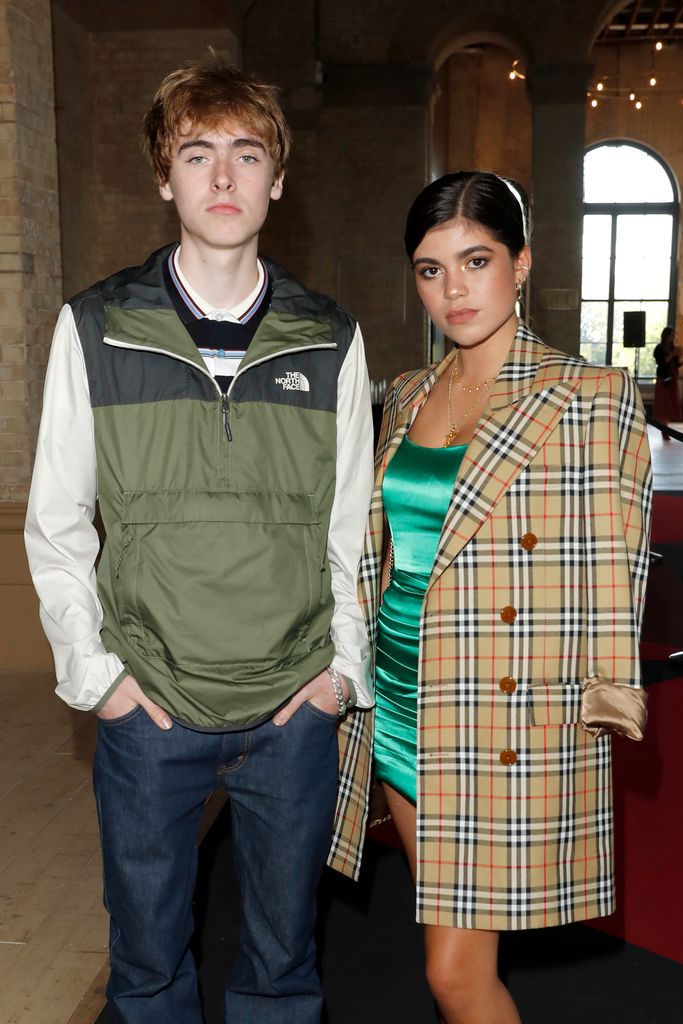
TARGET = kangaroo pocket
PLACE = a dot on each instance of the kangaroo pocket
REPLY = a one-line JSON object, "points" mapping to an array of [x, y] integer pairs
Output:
{"points": [[216, 581]]}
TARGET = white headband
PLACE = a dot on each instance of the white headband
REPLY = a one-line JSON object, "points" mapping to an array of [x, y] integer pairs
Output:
{"points": [[521, 206]]}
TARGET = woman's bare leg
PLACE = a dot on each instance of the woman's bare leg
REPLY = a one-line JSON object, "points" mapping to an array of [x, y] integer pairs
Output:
{"points": [[403, 814], [462, 972], [461, 963]]}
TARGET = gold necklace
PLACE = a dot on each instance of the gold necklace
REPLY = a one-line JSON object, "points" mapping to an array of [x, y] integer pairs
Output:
{"points": [[454, 428]]}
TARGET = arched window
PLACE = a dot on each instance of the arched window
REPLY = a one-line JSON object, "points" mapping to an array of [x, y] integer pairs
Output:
{"points": [[630, 232]]}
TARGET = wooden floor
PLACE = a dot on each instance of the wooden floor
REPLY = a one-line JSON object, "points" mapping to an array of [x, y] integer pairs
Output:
{"points": [[53, 929], [52, 925]]}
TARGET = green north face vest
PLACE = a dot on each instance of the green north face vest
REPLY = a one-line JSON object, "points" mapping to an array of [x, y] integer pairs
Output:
{"points": [[214, 577]]}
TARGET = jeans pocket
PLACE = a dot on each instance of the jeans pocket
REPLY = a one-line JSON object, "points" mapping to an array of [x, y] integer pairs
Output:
{"points": [[319, 713], [122, 719]]}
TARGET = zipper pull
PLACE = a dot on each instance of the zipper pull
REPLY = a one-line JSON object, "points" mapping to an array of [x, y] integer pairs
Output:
{"points": [[226, 422], [122, 555]]}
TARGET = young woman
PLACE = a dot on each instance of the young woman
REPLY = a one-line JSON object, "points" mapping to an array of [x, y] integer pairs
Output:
{"points": [[667, 403], [509, 526]]}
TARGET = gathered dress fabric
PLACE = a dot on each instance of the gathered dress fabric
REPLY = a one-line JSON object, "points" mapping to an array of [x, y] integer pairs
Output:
{"points": [[417, 492]]}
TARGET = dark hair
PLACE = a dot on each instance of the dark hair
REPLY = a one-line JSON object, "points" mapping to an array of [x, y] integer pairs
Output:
{"points": [[666, 332], [478, 196]]}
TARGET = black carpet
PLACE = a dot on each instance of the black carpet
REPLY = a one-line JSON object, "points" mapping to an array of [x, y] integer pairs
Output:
{"points": [[371, 954]]}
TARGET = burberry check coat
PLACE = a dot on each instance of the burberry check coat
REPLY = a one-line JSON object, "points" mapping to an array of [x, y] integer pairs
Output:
{"points": [[537, 587]]}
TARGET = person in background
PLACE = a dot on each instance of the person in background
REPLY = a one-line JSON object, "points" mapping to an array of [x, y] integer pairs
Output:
{"points": [[219, 412], [666, 407], [508, 538]]}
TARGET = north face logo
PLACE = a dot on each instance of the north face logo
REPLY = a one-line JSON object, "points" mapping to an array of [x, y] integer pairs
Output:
{"points": [[293, 381]]}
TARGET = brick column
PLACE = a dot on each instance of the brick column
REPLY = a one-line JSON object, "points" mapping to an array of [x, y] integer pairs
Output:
{"points": [[558, 93], [30, 265]]}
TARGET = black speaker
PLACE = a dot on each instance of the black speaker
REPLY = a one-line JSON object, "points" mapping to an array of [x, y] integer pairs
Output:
{"points": [[634, 329]]}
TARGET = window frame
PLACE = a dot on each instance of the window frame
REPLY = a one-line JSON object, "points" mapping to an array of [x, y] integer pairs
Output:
{"points": [[615, 210]]}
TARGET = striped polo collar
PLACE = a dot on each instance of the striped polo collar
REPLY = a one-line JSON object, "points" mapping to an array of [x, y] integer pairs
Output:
{"points": [[200, 308]]}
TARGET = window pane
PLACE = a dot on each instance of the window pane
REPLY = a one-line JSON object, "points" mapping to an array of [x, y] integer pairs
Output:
{"points": [[597, 234], [624, 174], [594, 331], [655, 321], [643, 258]]}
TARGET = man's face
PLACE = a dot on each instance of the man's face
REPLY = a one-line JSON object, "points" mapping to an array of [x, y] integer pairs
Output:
{"points": [[221, 181]]}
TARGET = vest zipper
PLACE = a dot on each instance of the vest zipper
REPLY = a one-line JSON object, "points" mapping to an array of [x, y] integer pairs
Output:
{"points": [[226, 412]]}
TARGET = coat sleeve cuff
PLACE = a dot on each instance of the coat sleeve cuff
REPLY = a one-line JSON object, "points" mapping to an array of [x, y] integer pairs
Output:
{"points": [[613, 707], [107, 693]]}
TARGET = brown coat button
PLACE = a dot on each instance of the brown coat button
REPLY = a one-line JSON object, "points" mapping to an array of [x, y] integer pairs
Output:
{"points": [[529, 541], [508, 684], [508, 614], [508, 757]]}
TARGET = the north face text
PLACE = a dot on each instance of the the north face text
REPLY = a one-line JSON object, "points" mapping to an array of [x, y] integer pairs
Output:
{"points": [[293, 381]]}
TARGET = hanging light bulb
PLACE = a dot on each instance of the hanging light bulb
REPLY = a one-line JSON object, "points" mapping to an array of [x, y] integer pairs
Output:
{"points": [[653, 80], [659, 45], [600, 86], [512, 76], [638, 105], [594, 102], [631, 96]]}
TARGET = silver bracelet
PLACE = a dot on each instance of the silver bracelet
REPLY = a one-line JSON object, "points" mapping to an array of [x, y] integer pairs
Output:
{"points": [[338, 692]]}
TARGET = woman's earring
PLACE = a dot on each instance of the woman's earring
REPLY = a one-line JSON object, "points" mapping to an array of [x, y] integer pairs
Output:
{"points": [[522, 281]]}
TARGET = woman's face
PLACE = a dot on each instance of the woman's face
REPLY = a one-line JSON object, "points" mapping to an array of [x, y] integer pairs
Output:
{"points": [[467, 282]]}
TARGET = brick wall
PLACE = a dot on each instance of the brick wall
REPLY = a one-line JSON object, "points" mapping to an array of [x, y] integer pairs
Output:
{"points": [[30, 266], [73, 100], [360, 154], [106, 82]]}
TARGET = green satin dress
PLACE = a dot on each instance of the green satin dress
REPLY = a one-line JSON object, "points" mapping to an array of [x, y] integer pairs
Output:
{"points": [[416, 492]]}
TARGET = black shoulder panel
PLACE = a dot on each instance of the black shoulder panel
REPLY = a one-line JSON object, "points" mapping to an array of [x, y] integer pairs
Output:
{"points": [[119, 376]]}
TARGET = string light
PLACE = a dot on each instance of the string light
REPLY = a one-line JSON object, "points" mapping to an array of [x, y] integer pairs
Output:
{"points": [[600, 86], [653, 80], [631, 96], [515, 71], [594, 102], [659, 45], [638, 105]]}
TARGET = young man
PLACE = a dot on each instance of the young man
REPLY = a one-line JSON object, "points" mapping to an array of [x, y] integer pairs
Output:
{"points": [[219, 412]]}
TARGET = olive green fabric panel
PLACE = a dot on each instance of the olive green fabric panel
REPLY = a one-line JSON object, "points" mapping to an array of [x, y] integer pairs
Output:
{"points": [[225, 578], [182, 445], [206, 598], [158, 329]]}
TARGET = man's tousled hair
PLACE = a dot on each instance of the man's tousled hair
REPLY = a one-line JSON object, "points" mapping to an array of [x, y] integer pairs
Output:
{"points": [[206, 94]]}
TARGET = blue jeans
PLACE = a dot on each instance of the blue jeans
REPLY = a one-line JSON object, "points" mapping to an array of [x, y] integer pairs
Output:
{"points": [[150, 787]]}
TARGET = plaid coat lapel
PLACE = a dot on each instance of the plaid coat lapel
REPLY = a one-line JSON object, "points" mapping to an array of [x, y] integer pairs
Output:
{"points": [[524, 406]]}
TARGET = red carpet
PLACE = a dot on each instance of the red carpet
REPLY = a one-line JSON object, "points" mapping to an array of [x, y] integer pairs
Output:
{"points": [[648, 797], [648, 776], [667, 526]]}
